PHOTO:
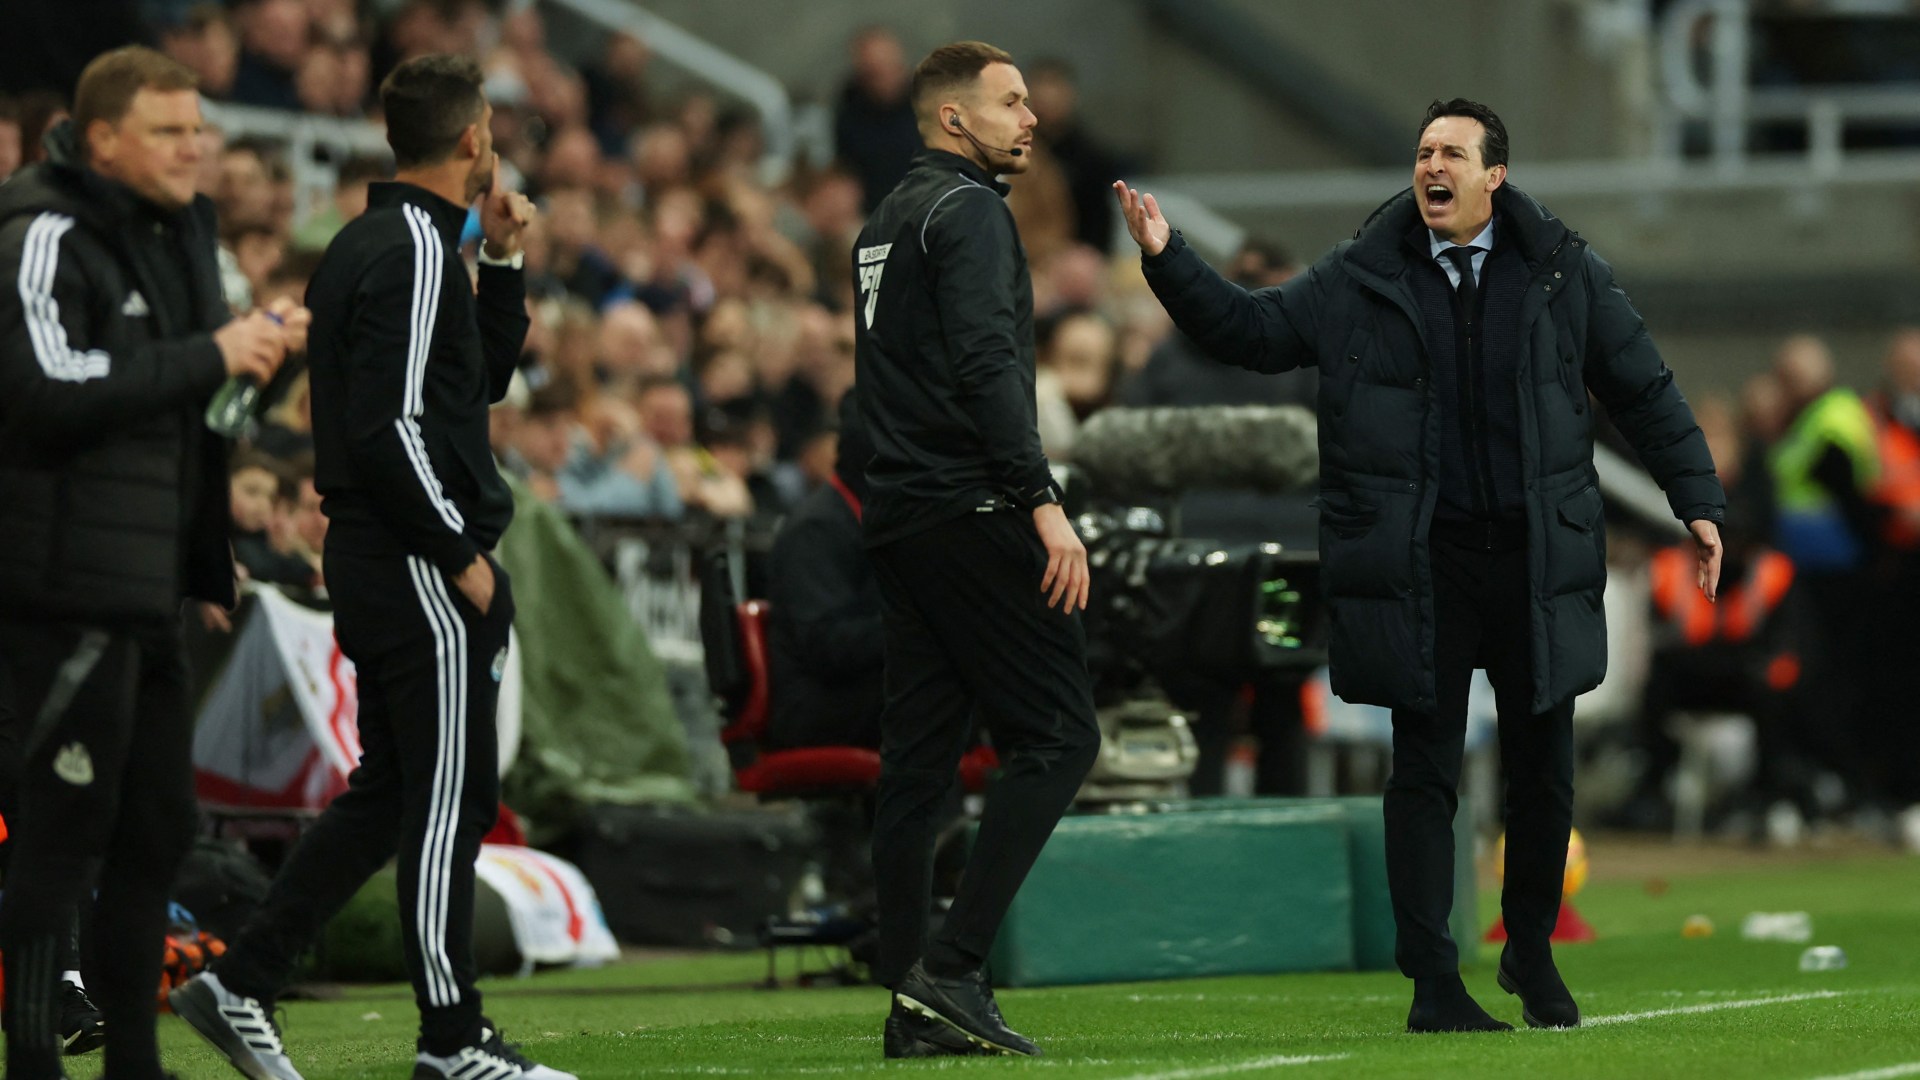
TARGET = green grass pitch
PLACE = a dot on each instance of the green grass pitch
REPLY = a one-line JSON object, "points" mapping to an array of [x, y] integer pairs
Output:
{"points": [[1657, 1005]]}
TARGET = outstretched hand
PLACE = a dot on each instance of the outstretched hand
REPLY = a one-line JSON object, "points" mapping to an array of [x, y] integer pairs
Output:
{"points": [[1707, 552], [1150, 230]]}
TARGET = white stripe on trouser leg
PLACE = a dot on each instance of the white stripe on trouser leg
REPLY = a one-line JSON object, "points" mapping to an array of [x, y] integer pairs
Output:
{"points": [[449, 772], [442, 694], [442, 813], [456, 753], [443, 817]]}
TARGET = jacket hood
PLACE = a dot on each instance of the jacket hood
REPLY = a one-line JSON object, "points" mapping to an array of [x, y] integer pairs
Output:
{"points": [[1379, 245]]}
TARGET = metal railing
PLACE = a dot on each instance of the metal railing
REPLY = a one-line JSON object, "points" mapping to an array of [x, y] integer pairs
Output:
{"points": [[314, 174], [1730, 106], [702, 58]]}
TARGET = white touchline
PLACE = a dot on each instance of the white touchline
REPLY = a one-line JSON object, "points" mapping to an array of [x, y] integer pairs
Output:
{"points": [[1911, 1068], [1711, 1006], [1235, 1067]]}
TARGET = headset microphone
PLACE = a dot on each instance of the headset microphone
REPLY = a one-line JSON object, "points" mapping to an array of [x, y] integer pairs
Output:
{"points": [[954, 122]]}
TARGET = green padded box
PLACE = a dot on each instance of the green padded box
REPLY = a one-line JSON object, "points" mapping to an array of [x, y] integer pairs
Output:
{"points": [[1373, 932], [1260, 888]]}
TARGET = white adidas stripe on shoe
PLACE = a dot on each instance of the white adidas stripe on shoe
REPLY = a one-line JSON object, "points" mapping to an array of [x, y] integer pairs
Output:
{"points": [[492, 1059], [238, 1027]]}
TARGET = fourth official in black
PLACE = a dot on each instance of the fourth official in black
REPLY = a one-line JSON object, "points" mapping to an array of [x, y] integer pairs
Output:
{"points": [[981, 575]]}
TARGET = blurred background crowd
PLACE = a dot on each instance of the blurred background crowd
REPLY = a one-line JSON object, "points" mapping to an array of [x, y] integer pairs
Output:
{"points": [[693, 330]]}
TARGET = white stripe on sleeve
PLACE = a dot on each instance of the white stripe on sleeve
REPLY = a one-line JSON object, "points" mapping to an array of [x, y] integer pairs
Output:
{"points": [[429, 265], [39, 262]]}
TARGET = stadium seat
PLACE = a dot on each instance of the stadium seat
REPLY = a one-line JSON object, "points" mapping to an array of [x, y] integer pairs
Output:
{"points": [[812, 770]]}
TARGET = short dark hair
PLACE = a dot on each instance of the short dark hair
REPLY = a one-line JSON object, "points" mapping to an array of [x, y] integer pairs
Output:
{"points": [[428, 102], [108, 85], [1493, 145], [948, 68]]}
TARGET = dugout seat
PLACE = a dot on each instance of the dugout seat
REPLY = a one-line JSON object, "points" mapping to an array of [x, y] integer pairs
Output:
{"points": [[803, 771]]}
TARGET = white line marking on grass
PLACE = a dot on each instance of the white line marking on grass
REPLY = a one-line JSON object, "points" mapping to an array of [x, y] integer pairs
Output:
{"points": [[1711, 1006], [1237, 1066], [1911, 1068]]}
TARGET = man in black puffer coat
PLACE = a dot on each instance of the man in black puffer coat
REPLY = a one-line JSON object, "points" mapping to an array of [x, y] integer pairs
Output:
{"points": [[1457, 336], [113, 507]]}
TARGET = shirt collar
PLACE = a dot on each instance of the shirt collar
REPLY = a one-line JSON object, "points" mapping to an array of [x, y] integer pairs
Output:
{"points": [[448, 218], [1483, 241], [942, 159]]}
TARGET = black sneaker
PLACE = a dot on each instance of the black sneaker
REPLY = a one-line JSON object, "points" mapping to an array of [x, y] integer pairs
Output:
{"points": [[964, 1004], [240, 1027], [910, 1035], [1545, 1001], [492, 1058], [82, 1028]]}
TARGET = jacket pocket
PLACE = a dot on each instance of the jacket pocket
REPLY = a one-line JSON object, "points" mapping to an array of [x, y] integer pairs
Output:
{"points": [[1582, 509], [1348, 517], [1577, 547]]}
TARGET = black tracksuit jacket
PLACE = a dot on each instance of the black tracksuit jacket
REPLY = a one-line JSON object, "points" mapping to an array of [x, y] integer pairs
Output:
{"points": [[944, 353], [406, 356], [113, 495]]}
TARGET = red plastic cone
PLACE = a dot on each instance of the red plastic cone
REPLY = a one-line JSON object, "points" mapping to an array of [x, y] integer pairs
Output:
{"points": [[1571, 926]]}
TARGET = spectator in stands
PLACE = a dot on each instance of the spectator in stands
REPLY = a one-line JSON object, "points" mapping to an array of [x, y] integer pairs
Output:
{"points": [[829, 212], [1072, 279], [575, 257], [10, 141], [617, 91], [1089, 167], [1823, 468], [1042, 206], [1741, 654], [630, 349], [666, 415], [618, 472], [332, 79], [825, 643], [1073, 377], [349, 201], [205, 40], [1895, 409], [38, 111], [572, 161], [662, 158], [273, 44], [263, 494], [257, 252], [874, 131]]}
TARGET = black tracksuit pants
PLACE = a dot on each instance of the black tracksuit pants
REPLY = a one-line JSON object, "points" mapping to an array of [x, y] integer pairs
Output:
{"points": [[105, 802], [967, 626], [427, 788], [1483, 612]]}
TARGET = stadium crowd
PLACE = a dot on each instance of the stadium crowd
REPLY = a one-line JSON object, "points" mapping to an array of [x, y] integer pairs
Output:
{"points": [[692, 336]]}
